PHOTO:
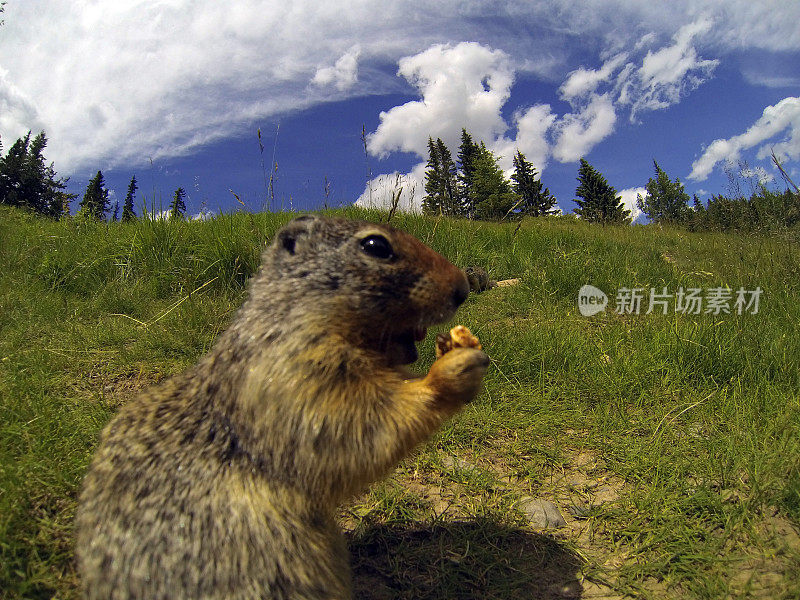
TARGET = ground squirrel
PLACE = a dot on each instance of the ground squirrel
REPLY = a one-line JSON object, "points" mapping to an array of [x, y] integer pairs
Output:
{"points": [[222, 482], [479, 280]]}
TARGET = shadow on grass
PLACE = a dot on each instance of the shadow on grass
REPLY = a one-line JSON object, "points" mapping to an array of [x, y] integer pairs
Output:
{"points": [[471, 559]]}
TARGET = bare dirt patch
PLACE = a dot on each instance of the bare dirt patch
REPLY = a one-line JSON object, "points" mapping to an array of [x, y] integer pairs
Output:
{"points": [[531, 561], [474, 527]]}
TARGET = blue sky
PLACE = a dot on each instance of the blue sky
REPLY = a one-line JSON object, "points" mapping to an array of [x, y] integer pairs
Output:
{"points": [[175, 91]]}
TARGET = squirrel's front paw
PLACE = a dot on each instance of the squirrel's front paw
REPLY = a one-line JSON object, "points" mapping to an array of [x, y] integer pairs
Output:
{"points": [[456, 377]]}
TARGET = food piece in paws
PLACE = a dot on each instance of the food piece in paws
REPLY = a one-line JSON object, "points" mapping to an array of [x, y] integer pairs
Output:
{"points": [[459, 337]]}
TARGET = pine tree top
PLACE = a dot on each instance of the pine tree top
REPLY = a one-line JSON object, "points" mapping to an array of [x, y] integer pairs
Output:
{"points": [[178, 206], [665, 200], [597, 200], [127, 206]]}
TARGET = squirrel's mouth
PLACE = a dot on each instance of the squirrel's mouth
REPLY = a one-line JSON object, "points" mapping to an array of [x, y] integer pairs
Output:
{"points": [[402, 347]]}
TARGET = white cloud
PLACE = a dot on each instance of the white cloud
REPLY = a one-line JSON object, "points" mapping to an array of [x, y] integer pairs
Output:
{"points": [[16, 107], [646, 40], [131, 81], [654, 81], [629, 197], [382, 191], [669, 72], [583, 81], [766, 24], [461, 86], [670, 64], [343, 74], [122, 82], [467, 85], [771, 75], [532, 125], [203, 215], [775, 120], [577, 133]]}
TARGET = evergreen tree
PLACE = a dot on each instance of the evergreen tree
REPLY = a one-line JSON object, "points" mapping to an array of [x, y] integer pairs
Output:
{"points": [[12, 169], [95, 200], [52, 200], [597, 200], [59, 201], [536, 201], [491, 193], [177, 207], [27, 181], [467, 153], [441, 185], [449, 183], [432, 202], [34, 186], [127, 205], [665, 201]]}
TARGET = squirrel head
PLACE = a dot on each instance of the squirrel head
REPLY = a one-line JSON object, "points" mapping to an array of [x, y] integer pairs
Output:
{"points": [[376, 285]]}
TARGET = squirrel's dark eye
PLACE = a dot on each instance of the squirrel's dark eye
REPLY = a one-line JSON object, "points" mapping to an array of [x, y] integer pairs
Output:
{"points": [[377, 246]]}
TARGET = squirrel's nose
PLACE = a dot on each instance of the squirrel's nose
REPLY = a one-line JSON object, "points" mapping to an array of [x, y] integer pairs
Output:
{"points": [[461, 292]]}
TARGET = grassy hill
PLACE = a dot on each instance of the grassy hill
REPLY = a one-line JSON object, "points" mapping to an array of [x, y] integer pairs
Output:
{"points": [[669, 443]]}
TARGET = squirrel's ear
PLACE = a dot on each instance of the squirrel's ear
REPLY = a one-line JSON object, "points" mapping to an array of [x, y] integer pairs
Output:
{"points": [[288, 236]]}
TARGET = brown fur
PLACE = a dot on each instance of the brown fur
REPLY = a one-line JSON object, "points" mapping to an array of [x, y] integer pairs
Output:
{"points": [[222, 482], [478, 279]]}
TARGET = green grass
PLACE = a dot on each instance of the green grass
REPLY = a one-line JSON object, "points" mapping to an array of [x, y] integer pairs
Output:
{"points": [[670, 443]]}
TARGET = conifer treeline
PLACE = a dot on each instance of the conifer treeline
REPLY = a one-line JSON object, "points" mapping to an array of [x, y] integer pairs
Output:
{"points": [[472, 186], [667, 202], [27, 181], [476, 187]]}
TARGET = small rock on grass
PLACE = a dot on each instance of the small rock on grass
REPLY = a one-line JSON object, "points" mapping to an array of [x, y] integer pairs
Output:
{"points": [[542, 513], [453, 462]]}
